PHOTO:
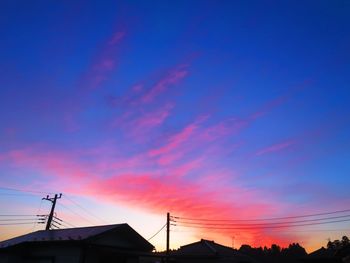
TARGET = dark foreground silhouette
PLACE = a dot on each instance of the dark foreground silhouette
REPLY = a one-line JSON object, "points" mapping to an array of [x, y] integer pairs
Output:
{"points": [[120, 243], [335, 251], [205, 251]]}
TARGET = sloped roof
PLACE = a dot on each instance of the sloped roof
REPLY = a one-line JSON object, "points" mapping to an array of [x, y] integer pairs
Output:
{"points": [[321, 253], [82, 234], [206, 248]]}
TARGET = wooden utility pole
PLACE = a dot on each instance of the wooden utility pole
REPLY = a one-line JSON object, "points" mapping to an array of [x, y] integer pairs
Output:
{"points": [[167, 236], [53, 201]]}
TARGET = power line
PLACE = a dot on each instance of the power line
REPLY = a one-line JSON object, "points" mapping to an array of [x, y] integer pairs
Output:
{"points": [[24, 190], [64, 223], [263, 227], [67, 225], [38, 212], [85, 210], [23, 194], [19, 219], [33, 192], [263, 224], [20, 215], [157, 232], [66, 207], [14, 224], [316, 230], [264, 219]]}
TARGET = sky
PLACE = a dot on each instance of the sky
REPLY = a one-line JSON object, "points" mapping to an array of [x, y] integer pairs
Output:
{"points": [[204, 109]]}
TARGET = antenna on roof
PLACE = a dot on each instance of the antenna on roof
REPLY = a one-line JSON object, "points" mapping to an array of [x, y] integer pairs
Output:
{"points": [[53, 201]]}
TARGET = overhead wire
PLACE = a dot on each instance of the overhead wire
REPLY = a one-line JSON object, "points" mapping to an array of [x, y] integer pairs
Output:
{"points": [[62, 222], [14, 219], [263, 227], [24, 190], [34, 192], [71, 210], [13, 224], [38, 212], [157, 232], [16, 215], [85, 210], [10, 218], [264, 219], [263, 224]]}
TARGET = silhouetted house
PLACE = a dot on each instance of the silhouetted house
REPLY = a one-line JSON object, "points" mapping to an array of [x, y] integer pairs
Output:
{"points": [[206, 251], [97, 244], [322, 255]]}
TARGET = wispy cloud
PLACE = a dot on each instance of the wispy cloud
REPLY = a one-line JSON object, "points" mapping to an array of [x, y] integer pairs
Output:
{"points": [[141, 93], [149, 119], [176, 140], [171, 78], [276, 147], [280, 100], [103, 64]]}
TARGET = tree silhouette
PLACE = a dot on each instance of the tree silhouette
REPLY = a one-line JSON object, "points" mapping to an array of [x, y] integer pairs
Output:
{"points": [[345, 241]]}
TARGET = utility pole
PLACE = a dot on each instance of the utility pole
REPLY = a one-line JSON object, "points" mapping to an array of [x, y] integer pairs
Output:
{"points": [[167, 236], [53, 201]]}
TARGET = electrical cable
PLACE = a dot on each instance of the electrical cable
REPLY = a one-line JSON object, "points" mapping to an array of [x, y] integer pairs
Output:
{"points": [[42, 192], [85, 210], [14, 224], [23, 190], [19, 219], [263, 224], [265, 219], [157, 232], [66, 207], [264, 227], [17, 215]]}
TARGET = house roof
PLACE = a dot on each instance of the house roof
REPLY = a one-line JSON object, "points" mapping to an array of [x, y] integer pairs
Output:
{"points": [[321, 253], [206, 248], [127, 236]]}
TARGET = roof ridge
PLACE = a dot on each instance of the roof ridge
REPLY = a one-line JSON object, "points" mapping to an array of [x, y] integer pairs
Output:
{"points": [[206, 242]]}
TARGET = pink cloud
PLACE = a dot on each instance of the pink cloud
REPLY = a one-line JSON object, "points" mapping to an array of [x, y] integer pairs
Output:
{"points": [[210, 196], [161, 194], [224, 128], [103, 64], [184, 169], [138, 123], [139, 94], [269, 106], [276, 147], [195, 136], [52, 163], [176, 140], [152, 119], [116, 38], [169, 158], [163, 84]]}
